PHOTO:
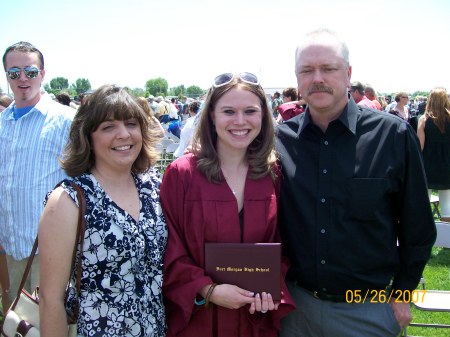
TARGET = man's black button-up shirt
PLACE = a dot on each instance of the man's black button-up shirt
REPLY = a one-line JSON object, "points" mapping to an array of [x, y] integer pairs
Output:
{"points": [[354, 209]]}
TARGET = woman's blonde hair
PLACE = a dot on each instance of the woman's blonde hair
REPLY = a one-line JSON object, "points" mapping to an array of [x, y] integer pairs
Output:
{"points": [[438, 107]]}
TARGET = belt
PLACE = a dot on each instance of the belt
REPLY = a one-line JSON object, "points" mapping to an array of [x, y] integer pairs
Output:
{"points": [[324, 296], [328, 297]]}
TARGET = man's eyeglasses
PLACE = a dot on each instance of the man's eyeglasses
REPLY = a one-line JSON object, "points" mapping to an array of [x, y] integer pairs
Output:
{"points": [[30, 72], [226, 78]]}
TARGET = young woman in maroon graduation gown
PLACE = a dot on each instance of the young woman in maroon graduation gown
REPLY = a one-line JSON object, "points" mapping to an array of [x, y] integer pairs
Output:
{"points": [[225, 191]]}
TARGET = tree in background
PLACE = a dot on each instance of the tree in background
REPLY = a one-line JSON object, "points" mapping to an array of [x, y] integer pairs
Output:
{"points": [[157, 87], [81, 85], [138, 92], [194, 91], [59, 83], [177, 91]]}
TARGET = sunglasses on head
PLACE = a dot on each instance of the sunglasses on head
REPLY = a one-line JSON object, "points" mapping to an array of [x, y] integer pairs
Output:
{"points": [[226, 78], [30, 72]]}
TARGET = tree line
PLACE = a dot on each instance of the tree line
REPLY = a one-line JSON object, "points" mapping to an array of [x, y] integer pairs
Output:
{"points": [[156, 87]]}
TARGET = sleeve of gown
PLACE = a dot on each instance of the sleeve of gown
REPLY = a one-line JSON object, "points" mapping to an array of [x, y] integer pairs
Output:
{"points": [[183, 277]]}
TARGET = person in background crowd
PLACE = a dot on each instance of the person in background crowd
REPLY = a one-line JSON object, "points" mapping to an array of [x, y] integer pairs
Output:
{"points": [[276, 101], [434, 135], [173, 114], [388, 99], [291, 106], [349, 178], [382, 102], [401, 108], [358, 94], [370, 93], [63, 98], [225, 191], [109, 155], [5, 101], [153, 121], [421, 106], [29, 162], [188, 129], [163, 110], [390, 104], [153, 104]]}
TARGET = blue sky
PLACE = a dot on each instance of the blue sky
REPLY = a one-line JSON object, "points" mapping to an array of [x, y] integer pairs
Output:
{"points": [[394, 45]]}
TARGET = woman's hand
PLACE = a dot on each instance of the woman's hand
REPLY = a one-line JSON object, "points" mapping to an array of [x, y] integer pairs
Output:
{"points": [[263, 304], [229, 296]]}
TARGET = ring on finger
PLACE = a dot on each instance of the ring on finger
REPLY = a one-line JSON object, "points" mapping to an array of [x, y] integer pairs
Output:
{"points": [[263, 311]]}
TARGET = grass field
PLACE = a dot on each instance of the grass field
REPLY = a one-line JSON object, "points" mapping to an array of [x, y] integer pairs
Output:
{"points": [[437, 276]]}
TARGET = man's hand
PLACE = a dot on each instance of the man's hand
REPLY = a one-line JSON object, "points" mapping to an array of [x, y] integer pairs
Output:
{"points": [[402, 312]]}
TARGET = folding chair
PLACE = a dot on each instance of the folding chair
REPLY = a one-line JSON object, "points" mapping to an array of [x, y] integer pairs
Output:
{"points": [[435, 300], [434, 201]]}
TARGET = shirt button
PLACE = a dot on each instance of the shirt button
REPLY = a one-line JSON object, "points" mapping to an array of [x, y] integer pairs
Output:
{"points": [[322, 262], [325, 171], [322, 200], [326, 142], [322, 231]]}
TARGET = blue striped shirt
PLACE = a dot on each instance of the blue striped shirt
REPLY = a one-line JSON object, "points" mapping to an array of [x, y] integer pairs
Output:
{"points": [[29, 151]]}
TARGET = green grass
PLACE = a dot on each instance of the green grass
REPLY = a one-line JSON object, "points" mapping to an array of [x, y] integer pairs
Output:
{"points": [[437, 277]]}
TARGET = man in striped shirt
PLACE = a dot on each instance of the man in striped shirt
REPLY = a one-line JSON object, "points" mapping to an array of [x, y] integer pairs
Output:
{"points": [[33, 132]]}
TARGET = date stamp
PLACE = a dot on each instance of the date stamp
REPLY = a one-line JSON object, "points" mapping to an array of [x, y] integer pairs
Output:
{"points": [[383, 296]]}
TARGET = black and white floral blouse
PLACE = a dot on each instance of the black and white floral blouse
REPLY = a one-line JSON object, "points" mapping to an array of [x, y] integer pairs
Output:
{"points": [[122, 262]]}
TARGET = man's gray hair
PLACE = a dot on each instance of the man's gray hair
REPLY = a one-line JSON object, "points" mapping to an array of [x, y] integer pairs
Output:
{"points": [[313, 35]]}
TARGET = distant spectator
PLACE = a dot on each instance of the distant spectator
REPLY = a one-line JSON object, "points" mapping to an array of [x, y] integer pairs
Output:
{"points": [[401, 108], [421, 105], [153, 104], [382, 102], [188, 129], [369, 91], [82, 96], [357, 92], [162, 112], [5, 101], [390, 103], [173, 113], [291, 106], [153, 121], [276, 101], [63, 98]]}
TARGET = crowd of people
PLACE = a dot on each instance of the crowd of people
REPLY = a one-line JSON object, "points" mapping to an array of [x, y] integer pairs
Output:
{"points": [[320, 168]]}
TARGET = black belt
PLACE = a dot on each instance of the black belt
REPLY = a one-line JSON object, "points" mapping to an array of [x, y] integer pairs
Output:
{"points": [[321, 295]]}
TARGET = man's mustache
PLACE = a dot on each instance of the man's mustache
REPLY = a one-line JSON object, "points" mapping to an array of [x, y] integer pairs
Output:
{"points": [[320, 88]]}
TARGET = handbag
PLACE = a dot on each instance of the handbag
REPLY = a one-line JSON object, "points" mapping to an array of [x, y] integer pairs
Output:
{"points": [[22, 318]]}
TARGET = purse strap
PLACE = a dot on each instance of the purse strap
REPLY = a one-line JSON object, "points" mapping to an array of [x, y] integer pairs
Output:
{"points": [[81, 227]]}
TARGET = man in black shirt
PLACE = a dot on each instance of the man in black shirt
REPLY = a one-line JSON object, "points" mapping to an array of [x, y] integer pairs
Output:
{"points": [[354, 213]]}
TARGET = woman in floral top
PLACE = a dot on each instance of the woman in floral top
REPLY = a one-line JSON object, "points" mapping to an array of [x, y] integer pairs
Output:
{"points": [[109, 155]]}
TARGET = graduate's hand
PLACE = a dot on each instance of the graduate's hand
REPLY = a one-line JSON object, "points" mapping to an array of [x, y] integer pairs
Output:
{"points": [[231, 297], [263, 303]]}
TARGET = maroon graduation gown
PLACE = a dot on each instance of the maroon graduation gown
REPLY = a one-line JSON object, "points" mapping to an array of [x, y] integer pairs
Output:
{"points": [[196, 212]]}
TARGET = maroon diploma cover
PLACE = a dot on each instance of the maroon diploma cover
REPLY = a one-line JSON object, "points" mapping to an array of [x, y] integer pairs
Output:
{"points": [[252, 266]]}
